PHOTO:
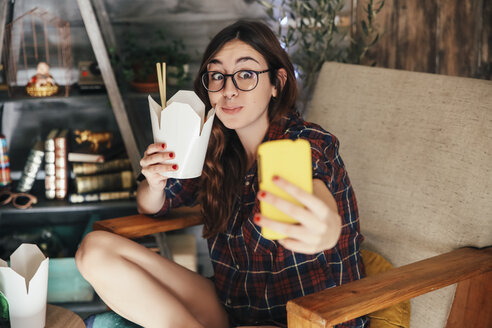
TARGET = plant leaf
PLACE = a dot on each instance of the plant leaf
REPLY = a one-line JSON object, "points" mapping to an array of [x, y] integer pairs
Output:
{"points": [[375, 40], [4, 308], [364, 27], [307, 6], [380, 7], [265, 4]]}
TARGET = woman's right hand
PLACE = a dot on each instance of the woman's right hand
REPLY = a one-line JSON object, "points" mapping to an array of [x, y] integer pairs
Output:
{"points": [[155, 163]]}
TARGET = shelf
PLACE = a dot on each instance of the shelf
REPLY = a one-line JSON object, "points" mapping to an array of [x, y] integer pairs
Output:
{"points": [[63, 206], [61, 211], [25, 121], [68, 221], [19, 94], [55, 213]]}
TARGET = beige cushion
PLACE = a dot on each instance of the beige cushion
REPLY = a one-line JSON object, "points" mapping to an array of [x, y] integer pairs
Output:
{"points": [[418, 150]]}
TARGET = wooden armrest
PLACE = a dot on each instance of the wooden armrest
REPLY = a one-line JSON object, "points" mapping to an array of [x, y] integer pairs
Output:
{"points": [[140, 225], [336, 305]]}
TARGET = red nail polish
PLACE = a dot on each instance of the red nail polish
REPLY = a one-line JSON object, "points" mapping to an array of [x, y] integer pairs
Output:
{"points": [[163, 145], [275, 178], [262, 194], [175, 167], [171, 155]]}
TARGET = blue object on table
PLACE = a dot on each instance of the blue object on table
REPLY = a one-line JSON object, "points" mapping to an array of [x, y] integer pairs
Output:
{"points": [[66, 284], [108, 319]]}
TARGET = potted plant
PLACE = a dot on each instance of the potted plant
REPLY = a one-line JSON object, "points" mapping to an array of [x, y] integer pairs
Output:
{"points": [[312, 32], [177, 61], [137, 62]]}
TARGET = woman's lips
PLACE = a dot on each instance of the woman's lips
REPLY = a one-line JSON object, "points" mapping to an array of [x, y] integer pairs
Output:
{"points": [[231, 109]]}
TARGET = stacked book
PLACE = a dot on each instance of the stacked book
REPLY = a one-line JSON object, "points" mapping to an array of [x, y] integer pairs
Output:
{"points": [[103, 181], [61, 166], [100, 173], [49, 164], [31, 168], [55, 164]]}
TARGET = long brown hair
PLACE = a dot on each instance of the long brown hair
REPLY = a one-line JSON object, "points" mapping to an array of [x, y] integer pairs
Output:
{"points": [[225, 162]]}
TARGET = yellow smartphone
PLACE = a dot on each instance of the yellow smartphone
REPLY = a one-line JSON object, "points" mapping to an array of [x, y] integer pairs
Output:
{"points": [[291, 160]]}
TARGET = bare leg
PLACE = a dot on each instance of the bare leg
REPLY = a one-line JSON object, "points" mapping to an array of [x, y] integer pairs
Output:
{"points": [[145, 287], [257, 327]]}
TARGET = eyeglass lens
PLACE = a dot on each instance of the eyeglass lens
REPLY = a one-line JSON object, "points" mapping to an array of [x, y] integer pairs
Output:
{"points": [[243, 80]]}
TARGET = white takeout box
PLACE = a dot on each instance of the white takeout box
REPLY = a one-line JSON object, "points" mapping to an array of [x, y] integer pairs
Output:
{"points": [[25, 285], [182, 126]]}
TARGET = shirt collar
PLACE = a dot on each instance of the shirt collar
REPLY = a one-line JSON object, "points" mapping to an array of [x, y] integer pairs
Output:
{"points": [[278, 128]]}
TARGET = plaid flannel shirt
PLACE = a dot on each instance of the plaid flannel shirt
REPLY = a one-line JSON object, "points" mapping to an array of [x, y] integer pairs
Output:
{"points": [[255, 276]]}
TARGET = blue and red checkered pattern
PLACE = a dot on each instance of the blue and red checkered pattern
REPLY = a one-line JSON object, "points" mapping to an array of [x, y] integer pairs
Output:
{"points": [[255, 276]]}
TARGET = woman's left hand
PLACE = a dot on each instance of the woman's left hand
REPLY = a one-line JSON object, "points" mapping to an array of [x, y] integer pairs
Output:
{"points": [[319, 222]]}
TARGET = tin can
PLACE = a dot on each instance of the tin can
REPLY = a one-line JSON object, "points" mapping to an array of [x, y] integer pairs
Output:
{"points": [[5, 180]]}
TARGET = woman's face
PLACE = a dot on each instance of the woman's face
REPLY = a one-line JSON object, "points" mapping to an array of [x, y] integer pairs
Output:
{"points": [[243, 111]]}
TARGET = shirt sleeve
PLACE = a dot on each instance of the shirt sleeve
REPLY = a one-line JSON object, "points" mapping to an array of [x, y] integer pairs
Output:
{"points": [[329, 167], [179, 193], [326, 160]]}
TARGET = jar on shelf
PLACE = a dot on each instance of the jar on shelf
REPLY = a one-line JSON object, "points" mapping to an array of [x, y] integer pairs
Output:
{"points": [[5, 180]]}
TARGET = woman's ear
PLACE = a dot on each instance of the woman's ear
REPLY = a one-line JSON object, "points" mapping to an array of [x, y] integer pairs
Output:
{"points": [[280, 81]]}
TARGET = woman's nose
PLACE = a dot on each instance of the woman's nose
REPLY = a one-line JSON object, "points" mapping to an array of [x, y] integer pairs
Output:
{"points": [[230, 89]]}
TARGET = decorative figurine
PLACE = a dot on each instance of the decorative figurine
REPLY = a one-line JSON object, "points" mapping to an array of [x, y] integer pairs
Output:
{"points": [[94, 138], [42, 84]]}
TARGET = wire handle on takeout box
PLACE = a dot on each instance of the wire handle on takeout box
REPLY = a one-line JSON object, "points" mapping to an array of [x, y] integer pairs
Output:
{"points": [[161, 78]]}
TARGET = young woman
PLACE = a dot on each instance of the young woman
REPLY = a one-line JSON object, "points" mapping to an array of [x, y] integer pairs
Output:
{"points": [[249, 80]]}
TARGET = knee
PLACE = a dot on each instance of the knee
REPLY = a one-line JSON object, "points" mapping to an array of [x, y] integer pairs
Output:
{"points": [[94, 248]]}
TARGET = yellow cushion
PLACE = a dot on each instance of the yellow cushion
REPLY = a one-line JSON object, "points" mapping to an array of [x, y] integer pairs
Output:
{"points": [[396, 316]]}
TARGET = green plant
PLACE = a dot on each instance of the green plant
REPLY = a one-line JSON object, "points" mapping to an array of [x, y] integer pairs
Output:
{"points": [[310, 33], [137, 61], [4, 311]]}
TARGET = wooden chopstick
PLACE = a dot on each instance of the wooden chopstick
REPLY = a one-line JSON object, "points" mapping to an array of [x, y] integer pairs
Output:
{"points": [[163, 96], [161, 79]]}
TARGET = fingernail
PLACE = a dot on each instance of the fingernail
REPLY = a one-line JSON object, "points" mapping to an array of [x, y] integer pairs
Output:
{"points": [[171, 155], [163, 145], [256, 218], [262, 194], [275, 178], [175, 167]]}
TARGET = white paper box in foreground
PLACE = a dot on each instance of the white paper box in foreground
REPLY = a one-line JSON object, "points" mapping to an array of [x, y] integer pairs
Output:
{"points": [[25, 285], [181, 126]]}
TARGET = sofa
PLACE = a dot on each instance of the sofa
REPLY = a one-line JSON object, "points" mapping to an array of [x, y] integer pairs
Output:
{"points": [[418, 150]]}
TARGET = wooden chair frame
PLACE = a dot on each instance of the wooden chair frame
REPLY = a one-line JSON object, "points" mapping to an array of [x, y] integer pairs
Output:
{"points": [[471, 268]]}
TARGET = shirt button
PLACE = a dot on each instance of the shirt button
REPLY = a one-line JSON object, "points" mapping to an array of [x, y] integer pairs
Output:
{"points": [[228, 302], [237, 266], [247, 183]]}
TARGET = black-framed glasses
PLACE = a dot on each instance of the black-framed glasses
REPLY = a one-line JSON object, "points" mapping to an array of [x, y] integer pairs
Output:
{"points": [[244, 80], [20, 200]]}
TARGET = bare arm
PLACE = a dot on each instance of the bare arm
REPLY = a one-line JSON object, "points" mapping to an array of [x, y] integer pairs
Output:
{"points": [[150, 192], [149, 201]]}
